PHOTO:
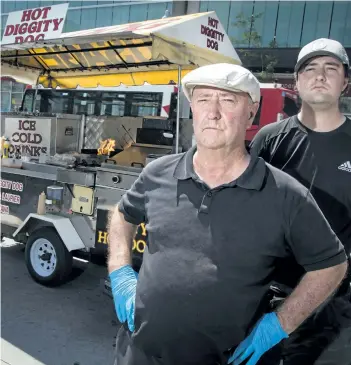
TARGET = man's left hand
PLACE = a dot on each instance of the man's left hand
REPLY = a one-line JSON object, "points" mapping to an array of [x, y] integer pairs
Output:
{"points": [[267, 333]]}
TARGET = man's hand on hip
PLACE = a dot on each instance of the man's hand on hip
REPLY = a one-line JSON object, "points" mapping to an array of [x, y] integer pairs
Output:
{"points": [[123, 284], [267, 333]]}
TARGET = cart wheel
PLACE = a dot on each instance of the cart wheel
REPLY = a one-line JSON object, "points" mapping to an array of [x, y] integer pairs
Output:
{"points": [[48, 260]]}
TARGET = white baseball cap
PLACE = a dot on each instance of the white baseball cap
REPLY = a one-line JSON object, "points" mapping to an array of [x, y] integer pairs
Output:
{"points": [[322, 47], [224, 76]]}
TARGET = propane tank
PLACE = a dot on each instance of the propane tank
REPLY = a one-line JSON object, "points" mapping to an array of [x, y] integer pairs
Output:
{"points": [[41, 204]]}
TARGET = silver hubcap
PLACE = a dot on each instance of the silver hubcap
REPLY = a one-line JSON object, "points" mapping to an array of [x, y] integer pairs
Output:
{"points": [[43, 257]]}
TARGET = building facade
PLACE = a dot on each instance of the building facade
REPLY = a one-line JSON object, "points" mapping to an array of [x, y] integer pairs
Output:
{"points": [[277, 29]]}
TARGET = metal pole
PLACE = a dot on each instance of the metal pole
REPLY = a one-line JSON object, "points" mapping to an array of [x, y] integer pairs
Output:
{"points": [[178, 110], [35, 94]]}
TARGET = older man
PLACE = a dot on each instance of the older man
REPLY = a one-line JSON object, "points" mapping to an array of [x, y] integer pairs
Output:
{"points": [[218, 223], [315, 147]]}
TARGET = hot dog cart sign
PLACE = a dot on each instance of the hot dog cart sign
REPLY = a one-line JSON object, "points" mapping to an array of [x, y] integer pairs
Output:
{"points": [[34, 25], [32, 135]]}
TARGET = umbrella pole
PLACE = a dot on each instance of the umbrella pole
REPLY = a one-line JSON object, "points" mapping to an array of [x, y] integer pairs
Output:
{"points": [[178, 109]]}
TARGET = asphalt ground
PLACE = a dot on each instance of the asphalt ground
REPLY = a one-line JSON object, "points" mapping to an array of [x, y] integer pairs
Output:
{"points": [[74, 324]]}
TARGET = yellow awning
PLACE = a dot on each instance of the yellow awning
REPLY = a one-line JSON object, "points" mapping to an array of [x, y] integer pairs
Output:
{"points": [[129, 54], [113, 79]]}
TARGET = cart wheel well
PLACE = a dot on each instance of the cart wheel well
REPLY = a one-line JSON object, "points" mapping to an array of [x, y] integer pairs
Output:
{"points": [[31, 226]]}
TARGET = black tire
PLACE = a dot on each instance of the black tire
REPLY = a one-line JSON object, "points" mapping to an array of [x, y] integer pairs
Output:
{"points": [[64, 258]]}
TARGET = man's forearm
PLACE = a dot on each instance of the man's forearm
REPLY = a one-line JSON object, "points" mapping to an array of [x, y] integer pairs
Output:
{"points": [[313, 290], [121, 234]]}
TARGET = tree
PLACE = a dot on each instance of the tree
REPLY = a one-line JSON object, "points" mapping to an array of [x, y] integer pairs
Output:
{"points": [[251, 39]]}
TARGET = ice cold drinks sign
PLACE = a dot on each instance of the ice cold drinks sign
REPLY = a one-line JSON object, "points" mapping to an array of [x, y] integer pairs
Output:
{"points": [[214, 36], [32, 135], [33, 25]]}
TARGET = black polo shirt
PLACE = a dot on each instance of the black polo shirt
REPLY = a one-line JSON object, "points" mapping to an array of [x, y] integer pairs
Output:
{"points": [[321, 161], [212, 253]]}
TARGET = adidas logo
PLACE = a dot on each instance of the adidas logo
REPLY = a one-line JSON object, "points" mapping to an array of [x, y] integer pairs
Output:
{"points": [[346, 166]]}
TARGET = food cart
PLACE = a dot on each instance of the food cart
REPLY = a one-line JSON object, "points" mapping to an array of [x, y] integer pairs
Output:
{"points": [[73, 169]]}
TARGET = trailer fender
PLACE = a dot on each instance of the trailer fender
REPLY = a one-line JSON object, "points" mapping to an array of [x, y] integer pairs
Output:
{"points": [[62, 225]]}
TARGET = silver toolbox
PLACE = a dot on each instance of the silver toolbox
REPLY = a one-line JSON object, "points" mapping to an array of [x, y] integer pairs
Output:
{"points": [[83, 178]]}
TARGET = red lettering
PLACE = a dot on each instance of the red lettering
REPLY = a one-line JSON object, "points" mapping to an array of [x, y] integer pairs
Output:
{"points": [[39, 26], [57, 23], [47, 23], [212, 44], [39, 37], [29, 38], [9, 30], [36, 13], [26, 15], [32, 27], [19, 39], [16, 29], [45, 12], [213, 22], [23, 28]]}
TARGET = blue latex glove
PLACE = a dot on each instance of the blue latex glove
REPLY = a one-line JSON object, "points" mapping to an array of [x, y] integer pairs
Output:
{"points": [[123, 284], [267, 333]]}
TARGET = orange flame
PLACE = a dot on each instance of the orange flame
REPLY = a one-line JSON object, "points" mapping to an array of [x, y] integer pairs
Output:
{"points": [[106, 146]]}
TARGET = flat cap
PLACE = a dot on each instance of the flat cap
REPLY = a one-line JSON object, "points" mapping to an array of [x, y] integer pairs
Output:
{"points": [[224, 76], [322, 47]]}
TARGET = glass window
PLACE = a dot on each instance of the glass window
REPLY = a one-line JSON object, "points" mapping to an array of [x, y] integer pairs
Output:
{"points": [[137, 13], [283, 23], [6, 85], [309, 22], [234, 32], [47, 2], [347, 36], [203, 6], [324, 18], [84, 102], [75, 4], [295, 27], [72, 22], [339, 21], [18, 87], [28, 100], [104, 17], [222, 10], [54, 101], [22, 5], [113, 103], [34, 4], [156, 11], [16, 101], [8, 6], [144, 104], [5, 101], [88, 18], [120, 15]]}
